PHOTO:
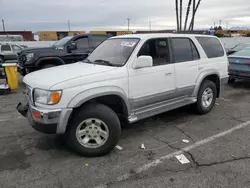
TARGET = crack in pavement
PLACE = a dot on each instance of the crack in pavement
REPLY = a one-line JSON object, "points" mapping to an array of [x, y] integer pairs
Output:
{"points": [[178, 128]]}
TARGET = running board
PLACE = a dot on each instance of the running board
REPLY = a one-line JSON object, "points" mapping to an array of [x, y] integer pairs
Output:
{"points": [[158, 108]]}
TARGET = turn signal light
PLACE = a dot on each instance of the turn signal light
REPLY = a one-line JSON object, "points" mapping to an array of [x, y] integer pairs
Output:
{"points": [[55, 97], [36, 114]]}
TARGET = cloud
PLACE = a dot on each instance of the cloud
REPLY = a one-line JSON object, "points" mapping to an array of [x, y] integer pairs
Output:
{"points": [[88, 15]]}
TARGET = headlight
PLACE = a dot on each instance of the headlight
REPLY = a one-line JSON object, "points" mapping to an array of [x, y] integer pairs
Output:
{"points": [[29, 56], [47, 97]]}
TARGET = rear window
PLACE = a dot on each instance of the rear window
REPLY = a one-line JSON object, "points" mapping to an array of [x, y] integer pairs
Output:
{"points": [[211, 46], [5, 48], [244, 52]]}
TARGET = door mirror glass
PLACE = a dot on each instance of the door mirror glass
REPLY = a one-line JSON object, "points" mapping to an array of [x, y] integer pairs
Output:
{"points": [[72, 46], [143, 61]]}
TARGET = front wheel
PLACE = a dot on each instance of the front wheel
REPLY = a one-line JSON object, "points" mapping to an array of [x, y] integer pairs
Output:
{"points": [[94, 131], [206, 97]]}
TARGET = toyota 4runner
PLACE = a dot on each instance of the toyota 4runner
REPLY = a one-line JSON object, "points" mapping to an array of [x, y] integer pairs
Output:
{"points": [[128, 77]]}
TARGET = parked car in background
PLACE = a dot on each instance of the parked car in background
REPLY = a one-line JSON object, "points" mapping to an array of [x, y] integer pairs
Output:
{"points": [[237, 48], [128, 77], [8, 51], [239, 65], [67, 50]]}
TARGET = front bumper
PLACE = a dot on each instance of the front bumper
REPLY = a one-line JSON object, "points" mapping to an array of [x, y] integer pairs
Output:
{"points": [[46, 120]]}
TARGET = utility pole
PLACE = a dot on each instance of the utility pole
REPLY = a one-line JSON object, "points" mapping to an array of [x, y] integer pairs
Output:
{"points": [[149, 26], [220, 23], [194, 4], [69, 25], [177, 14], [3, 25], [128, 22]]}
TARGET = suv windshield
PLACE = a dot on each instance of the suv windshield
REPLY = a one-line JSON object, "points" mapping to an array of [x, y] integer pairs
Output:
{"points": [[62, 42], [113, 52]]}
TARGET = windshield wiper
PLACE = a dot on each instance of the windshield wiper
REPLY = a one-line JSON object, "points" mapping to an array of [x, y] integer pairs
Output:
{"points": [[104, 61]]}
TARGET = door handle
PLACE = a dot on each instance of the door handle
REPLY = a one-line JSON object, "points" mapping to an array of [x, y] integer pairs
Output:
{"points": [[200, 68], [168, 73]]}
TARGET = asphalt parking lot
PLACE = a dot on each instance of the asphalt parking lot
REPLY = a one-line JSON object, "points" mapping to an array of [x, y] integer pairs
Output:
{"points": [[218, 150]]}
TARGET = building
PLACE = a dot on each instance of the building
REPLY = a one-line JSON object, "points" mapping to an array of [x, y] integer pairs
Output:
{"points": [[26, 35]]}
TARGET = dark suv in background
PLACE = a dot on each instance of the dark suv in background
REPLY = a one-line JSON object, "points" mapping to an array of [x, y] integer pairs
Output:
{"points": [[67, 50]]}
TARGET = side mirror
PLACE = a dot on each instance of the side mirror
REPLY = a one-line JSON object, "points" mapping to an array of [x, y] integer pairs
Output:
{"points": [[72, 46], [142, 62]]}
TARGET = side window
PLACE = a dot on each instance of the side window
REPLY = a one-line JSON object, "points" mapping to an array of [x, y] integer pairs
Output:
{"points": [[96, 40], [158, 49], [211, 46], [82, 43], [5, 48], [16, 48], [184, 50]]}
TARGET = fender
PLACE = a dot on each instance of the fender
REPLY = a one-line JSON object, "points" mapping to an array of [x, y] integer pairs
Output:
{"points": [[40, 60], [201, 78], [92, 93]]}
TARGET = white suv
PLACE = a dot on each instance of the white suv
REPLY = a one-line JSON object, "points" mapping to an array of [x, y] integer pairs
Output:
{"points": [[126, 77]]}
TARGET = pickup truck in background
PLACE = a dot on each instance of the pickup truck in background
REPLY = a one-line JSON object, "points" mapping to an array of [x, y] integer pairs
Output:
{"points": [[70, 49]]}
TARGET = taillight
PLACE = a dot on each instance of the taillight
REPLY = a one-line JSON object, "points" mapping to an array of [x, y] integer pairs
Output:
{"points": [[248, 63]]}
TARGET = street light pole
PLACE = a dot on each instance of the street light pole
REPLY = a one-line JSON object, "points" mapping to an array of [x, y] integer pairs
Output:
{"points": [[3, 25], [128, 22], [69, 25], [150, 26]]}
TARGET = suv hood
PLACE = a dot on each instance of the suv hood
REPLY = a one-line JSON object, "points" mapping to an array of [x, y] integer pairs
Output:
{"points": [[46, 78], [39, 49]]}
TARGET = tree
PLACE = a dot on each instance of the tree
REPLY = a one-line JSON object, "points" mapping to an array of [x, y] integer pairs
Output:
{"points": [[193, 17], [220, 28], [177, 14], [187, 14]]}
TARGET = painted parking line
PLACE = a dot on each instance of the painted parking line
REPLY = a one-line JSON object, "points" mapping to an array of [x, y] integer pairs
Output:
{"points": [[185, 149]]}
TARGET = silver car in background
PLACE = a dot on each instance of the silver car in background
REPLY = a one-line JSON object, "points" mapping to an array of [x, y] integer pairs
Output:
{"points": [[8, 51], [239, 65]]}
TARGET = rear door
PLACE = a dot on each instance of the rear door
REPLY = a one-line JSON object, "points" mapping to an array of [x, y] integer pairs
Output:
{"points": [[187, 60]]}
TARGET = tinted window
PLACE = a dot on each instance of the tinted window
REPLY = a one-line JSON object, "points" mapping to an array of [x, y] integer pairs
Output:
{"points": [[5, 48], [211, 46], [82, 43], [16, 48], [184, 50], [158, 49], [96, 40]]}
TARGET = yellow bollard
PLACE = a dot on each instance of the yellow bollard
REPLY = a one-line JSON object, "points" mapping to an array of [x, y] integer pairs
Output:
{"points": [[10, 70]]}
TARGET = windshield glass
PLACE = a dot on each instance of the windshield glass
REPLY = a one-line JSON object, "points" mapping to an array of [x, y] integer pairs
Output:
{"points": [[61, 42], [114, 52], [244, 52]]}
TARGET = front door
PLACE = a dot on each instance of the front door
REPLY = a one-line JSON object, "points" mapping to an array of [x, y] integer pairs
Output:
{"points": [[151, 85], [187, 59]]}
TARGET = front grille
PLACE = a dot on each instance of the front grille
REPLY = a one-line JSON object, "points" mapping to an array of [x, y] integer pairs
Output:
{"points": [[21, 58]]}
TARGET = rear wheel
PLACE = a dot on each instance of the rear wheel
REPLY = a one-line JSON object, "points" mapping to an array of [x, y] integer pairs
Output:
{"points": [[206, 97], [94, 131], [231, 80]]}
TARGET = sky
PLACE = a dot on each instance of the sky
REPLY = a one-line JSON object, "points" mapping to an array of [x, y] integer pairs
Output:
{"points": [[87, 15]]}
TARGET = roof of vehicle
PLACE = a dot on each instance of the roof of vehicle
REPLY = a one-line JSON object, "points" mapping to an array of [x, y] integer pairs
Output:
{"points": [[148, 35]]}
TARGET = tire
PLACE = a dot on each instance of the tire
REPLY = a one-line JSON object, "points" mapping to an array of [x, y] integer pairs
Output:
{"points": [[231, 80], [1, 59], [205, 107], [47, 66], [90, 114]]}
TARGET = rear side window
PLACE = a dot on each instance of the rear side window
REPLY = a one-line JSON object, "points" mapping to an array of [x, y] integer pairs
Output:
{"points": [[5, 48], [96, 40], [211, 46], [82, 43], [184, 50]]}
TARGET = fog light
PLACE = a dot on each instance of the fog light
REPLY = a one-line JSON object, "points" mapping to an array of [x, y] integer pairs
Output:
{"points": [[36, 115]]}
